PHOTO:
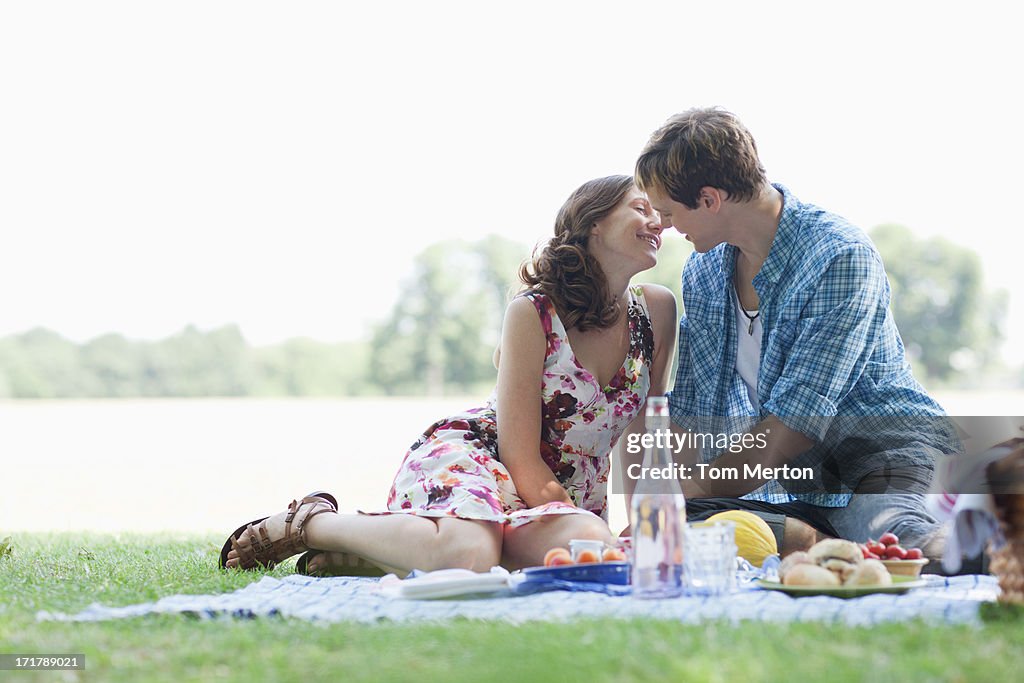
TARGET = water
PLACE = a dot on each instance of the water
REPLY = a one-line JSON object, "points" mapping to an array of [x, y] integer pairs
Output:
{"points": [[197, 465], [657, 570]]}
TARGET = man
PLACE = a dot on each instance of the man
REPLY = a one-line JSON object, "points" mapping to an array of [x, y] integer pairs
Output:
{"points": [[787, 336]]}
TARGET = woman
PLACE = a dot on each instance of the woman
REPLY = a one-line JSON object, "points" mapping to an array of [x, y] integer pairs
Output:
{"points": [[581, 345]]}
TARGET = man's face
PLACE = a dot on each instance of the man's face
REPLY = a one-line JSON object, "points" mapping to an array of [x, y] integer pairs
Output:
{"points": [[696, 225]]}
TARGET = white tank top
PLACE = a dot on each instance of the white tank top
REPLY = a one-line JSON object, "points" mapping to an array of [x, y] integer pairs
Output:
{"points": [[748, 349]]}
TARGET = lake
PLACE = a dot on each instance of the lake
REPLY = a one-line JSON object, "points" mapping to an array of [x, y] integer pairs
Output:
{"points": [[198, 465]]}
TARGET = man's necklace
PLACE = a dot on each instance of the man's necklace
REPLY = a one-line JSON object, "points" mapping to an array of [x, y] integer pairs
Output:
{"points": [[751, 318]]}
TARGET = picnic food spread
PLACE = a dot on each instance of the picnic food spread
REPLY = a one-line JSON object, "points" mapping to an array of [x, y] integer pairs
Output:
{"points": [[888, 547], [561, 556], [833, 562], [898, 560]]}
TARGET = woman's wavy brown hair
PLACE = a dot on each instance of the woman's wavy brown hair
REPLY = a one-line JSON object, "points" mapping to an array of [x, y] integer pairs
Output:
{"points": [[565, 271]]}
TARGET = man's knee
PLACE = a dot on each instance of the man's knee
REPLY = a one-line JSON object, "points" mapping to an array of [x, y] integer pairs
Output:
{"points": [[869, 515]]}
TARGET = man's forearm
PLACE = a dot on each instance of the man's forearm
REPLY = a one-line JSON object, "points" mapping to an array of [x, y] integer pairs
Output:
{"points": [[735, 473]]}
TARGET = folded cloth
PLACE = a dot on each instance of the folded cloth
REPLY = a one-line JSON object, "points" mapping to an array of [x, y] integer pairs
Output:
{"points": [[970, 516], [968, 473], [466, 584], [974, 524], [446, 583]]}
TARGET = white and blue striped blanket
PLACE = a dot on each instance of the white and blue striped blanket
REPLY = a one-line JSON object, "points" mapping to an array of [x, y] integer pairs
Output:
{"points": [[350, 599]]}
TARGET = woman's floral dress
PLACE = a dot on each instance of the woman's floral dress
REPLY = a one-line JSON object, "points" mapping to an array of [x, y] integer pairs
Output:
{"points": [[454, 469]]}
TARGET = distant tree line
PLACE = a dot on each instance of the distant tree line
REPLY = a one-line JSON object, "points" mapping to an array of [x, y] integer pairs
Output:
{"points": [[42, 364], [440, 336], [951, 326]]}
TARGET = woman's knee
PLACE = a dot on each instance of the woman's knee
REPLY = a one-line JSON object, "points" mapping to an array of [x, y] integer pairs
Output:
{"points": [[589, 527], [467, 545]]}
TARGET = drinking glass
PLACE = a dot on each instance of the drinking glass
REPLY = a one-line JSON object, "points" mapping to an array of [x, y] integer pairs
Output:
{"points": [[709, 558]]}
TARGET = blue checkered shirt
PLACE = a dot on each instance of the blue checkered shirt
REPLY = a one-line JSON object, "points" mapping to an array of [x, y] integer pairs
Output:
{"points": [[830, 347]]}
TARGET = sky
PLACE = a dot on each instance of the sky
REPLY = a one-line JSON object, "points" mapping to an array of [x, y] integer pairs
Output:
{"points": [[279, 165]]}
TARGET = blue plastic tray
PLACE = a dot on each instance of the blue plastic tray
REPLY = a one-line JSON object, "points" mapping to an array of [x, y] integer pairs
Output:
{"points": [[595, 572]]}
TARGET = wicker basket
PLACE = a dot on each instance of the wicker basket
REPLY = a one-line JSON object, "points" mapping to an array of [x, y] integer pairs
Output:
{"points": [[1008, 562]]}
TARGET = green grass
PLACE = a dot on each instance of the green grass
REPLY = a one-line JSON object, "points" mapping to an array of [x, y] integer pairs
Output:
{"points": [[68, 572]]}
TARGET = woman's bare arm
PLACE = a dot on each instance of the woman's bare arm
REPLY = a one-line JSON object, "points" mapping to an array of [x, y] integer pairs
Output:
{"points": [[520, 375], [662, 307]]}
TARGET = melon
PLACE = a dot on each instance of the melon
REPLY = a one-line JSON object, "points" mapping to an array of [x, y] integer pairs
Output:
{"points": [[754, 538]]}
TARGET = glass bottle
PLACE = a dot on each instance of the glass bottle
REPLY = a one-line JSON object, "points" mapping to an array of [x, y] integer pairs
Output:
{"points": [[658, 512]]}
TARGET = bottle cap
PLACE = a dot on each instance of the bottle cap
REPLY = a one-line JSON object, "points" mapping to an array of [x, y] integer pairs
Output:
{"points": [[657, 405]]}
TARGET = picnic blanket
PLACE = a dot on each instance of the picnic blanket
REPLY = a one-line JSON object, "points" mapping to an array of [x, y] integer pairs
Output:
{"points": [[356, 599]]}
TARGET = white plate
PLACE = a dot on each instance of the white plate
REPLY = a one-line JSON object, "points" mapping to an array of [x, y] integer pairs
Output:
{"points": [[900, 584]]}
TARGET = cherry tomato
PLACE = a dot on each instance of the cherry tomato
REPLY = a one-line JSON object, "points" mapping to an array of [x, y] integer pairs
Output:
{"points": [[914, 554], [889, 538], [876, 547], [895, 552], [872, 556]]}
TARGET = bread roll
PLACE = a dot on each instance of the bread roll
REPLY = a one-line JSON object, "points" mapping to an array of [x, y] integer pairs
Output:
{"points": [[841, 568], [869, 573], [793, 559], [809, 575], [835, 548]]}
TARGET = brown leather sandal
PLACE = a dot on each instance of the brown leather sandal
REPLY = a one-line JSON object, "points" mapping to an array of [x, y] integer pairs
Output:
{"points": [[351, 565], [255, 547]]}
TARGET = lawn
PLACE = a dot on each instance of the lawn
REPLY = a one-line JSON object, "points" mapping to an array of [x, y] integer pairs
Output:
{"points": [[67, 572]]}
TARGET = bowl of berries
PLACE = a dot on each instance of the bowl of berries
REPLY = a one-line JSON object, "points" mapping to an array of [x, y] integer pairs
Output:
{"points": [[898, 560]]}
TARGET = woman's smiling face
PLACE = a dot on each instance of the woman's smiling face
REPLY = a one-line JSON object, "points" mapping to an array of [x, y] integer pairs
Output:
{"points": [[629, 237]]}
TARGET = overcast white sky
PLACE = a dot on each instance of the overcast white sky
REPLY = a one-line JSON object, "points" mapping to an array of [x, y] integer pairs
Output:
{"points": [[278, 165]]}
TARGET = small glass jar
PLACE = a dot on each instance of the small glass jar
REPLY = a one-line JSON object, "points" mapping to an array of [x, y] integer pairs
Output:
{"points": [[578, 545]]}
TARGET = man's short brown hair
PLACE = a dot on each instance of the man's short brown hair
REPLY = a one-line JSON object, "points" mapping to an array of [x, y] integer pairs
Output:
{"points": [[701, 148]]}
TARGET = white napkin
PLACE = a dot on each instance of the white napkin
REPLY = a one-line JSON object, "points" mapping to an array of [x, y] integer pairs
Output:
{"points": [[974, 523], [971, 516], [445, 583]]}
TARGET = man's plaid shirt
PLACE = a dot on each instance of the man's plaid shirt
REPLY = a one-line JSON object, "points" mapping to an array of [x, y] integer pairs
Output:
{"points": [[830, 347]]}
